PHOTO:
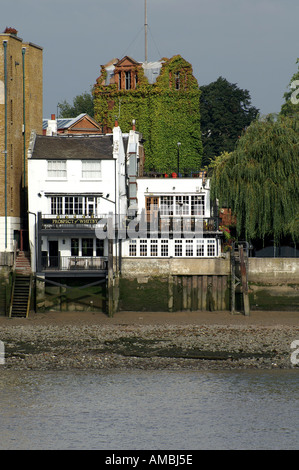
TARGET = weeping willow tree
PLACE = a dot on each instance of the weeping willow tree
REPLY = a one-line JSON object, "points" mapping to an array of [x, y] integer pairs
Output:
{"points": [[259, 181], [291, 106]]}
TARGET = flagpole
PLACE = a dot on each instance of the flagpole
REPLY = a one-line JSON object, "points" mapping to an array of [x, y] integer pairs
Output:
{"points": [[145, 29]]}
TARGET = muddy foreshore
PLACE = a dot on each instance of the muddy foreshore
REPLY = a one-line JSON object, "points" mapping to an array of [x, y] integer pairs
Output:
{"points": [[173, 345]]}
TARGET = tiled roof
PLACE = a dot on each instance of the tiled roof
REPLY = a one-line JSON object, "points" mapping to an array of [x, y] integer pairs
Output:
{"points": [[72, 147], [64, 123]]}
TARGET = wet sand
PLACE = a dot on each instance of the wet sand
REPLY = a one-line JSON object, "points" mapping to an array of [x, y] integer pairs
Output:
{"points": [[262, 318], [149, 340]]}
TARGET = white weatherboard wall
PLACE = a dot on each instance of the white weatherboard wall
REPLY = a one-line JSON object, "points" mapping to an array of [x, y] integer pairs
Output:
{"points": [[40, 187], [160, 248], [172, 186]]}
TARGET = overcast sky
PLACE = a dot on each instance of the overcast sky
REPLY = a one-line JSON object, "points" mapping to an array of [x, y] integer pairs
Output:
{"points": [[253, 43]]}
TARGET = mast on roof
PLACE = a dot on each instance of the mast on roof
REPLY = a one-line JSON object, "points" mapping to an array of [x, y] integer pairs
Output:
{"points": [[145, 30]]}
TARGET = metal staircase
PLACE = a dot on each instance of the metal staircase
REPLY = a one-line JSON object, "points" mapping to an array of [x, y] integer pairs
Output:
{"points": [[21, 290], [239, 276]]}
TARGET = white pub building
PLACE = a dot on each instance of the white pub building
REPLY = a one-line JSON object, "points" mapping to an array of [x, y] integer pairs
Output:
{"points": [[82, 186], [74, 183]]}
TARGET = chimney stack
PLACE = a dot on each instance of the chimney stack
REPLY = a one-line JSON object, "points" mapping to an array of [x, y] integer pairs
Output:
{"points": [[52, 126]]}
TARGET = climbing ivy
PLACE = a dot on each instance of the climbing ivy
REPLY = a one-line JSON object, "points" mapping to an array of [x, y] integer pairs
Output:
{"points": [[164, 114]]}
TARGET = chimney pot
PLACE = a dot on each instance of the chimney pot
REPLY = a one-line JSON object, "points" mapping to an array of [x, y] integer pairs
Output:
{"points": [[52, 117]]}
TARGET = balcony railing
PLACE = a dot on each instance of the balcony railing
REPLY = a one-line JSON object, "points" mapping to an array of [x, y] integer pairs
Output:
{"points": [[173, 173], [148, 221], [74, 263], [182, 224]]}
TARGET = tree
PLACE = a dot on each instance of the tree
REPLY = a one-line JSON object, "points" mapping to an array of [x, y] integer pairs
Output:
{"points": [[81, 104], [259, 180], [226, 112], [291, 105]]}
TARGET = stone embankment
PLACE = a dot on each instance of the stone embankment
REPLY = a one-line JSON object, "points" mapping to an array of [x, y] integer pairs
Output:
{"points": [[120, 344]]}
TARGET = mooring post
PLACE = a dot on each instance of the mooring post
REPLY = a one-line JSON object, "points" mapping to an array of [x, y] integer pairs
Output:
{"points": [[244, 281], [170, 293], [110, 279]]}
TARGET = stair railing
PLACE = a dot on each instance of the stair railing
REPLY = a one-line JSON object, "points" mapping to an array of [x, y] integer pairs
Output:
{"points": [[29, 296], [12, 292]]}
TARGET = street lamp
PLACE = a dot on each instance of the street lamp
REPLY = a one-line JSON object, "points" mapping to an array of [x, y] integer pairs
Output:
{"points": [[179, 143]]}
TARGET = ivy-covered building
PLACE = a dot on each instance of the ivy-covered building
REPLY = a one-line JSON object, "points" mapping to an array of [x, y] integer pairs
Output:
{"points": [[163, 98]]}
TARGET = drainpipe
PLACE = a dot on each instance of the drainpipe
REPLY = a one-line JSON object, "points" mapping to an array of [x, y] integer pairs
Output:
{"points": [[5, 138], [24, 117]]}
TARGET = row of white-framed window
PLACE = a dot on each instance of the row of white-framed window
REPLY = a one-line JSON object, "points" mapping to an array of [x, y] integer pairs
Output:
{"points": [[73, 205], [171, 205], [90, 169], [176, 248], [183, 205]]}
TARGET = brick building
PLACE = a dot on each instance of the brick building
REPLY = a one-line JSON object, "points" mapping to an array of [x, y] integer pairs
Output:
{"points": [[80, 125], [163, 97], [21, 99]]}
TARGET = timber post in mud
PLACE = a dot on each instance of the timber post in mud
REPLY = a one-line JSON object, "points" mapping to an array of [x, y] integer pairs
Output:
{"points": [[112, 283], [110, 305]]}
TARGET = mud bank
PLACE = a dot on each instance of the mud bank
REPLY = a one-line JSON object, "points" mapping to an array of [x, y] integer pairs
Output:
{"points": [[146, 341]]}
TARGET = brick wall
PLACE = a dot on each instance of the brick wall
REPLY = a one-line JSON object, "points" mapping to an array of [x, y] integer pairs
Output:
{"points": [[15, 118]]}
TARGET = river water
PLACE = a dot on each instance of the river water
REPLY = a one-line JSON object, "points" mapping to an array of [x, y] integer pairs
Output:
{"points": [[149, 410]]}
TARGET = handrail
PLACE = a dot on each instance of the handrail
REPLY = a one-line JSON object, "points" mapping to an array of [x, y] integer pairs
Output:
{"points": [[12, 292], [29, 296]]}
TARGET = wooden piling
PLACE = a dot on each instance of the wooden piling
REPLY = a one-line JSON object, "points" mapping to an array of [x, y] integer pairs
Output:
{"points": [[244, 281], [110, 293]]}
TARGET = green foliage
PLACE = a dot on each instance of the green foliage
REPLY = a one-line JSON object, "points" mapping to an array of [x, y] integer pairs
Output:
{"points": [[289, 108], [164, 115], [259, 181], [226, 112], [81, 104]]}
